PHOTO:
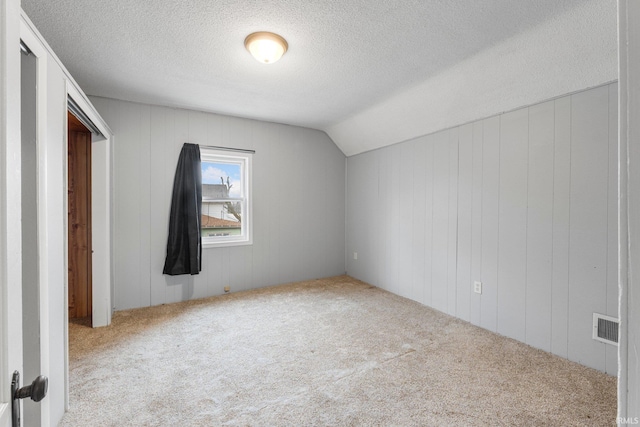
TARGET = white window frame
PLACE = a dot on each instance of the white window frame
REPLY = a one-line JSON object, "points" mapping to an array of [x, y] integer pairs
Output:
{"points": [[209, 155]]}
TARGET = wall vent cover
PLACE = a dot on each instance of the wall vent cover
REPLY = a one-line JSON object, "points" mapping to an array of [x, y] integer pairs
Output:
{"points": [[605, 328]]}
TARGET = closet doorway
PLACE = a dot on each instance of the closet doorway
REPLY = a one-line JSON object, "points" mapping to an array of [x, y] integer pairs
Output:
{"points": [[79, 228]]}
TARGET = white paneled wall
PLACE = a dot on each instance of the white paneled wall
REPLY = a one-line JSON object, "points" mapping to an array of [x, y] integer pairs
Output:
{"points": [[298, 198], [524, 202]]}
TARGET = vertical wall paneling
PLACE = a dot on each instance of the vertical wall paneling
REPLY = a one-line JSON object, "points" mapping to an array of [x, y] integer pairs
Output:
{"points": [[261, 218], [476, 222], [299, 203], [405, 219], [539, 232], [158, 193], [357, 189], [612, 223], [311, 256], [560, 226], [385, 157], [588, 222], [419, 207], [452, 238], [145, 203], [377, 213], [427, 293], [524, 202], [135, 226], [374, 250], [272, 147], [290, 219], [288, 189], [465, 219], [490, 214], [512, 235], [393, 215], [333, 208], [317, 200], [440, 243], [119, 169], [313, 194]]}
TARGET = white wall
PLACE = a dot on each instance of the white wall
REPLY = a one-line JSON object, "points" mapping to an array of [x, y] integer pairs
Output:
{"points": [[524, 202], [298, 187]]}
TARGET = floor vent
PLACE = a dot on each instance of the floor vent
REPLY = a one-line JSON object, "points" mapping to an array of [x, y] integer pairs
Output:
{"points": [[605, 328]]}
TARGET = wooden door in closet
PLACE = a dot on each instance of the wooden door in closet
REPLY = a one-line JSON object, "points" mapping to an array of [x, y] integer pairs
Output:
{"points": [[79, 228]]}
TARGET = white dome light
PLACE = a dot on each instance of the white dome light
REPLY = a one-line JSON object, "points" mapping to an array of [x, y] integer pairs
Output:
{"points": [[266, 47]]}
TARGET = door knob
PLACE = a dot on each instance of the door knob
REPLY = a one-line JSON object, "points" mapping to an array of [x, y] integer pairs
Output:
{"points": [[36, 391]]}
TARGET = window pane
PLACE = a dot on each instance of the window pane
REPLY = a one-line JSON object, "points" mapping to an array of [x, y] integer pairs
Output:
{"points": [[221, 180], [221, 218]]}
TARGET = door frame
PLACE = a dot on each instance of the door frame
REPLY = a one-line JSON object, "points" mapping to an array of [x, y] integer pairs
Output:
{"points": [[41, 194], [101, 148], [628, 206]]}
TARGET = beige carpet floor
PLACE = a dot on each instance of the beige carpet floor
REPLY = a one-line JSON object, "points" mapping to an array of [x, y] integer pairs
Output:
{"points": [[331, 352]]}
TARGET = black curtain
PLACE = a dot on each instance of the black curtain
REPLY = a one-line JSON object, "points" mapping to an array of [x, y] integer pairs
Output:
{"points": [[184, 247]]}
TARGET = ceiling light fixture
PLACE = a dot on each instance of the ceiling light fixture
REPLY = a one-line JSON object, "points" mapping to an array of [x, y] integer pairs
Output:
{"points": [[266, 47]]}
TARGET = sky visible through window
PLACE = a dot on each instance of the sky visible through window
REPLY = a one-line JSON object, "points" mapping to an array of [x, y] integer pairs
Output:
{"points": [[213, 171]]}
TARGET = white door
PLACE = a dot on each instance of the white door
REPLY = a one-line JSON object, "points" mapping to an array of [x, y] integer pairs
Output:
{"points": [[10, 210]]}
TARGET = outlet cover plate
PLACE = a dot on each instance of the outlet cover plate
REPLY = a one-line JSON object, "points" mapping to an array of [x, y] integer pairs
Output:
{"points": [[477, 287]]}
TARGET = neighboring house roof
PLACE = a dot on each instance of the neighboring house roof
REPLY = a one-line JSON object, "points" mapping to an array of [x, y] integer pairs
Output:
{"points": [[211, 222], [214, 191]]}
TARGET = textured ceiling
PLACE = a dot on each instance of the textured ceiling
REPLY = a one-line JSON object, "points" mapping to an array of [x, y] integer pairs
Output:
{"points": [[353, 66]]}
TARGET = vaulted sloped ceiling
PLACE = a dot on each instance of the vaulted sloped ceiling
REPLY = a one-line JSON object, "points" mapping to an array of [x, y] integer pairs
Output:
{"points": [[369, 73]]}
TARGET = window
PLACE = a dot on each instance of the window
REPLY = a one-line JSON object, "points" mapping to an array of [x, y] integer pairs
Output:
{"points": [[226, 198]]}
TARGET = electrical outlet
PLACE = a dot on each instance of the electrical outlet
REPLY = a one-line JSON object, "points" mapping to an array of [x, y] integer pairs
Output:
{"points": [[227, 288], [477, 287], [355, 255]]}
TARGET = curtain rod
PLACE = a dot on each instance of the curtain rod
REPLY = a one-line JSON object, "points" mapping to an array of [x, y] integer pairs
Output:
{"points": [[227, 148]]}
